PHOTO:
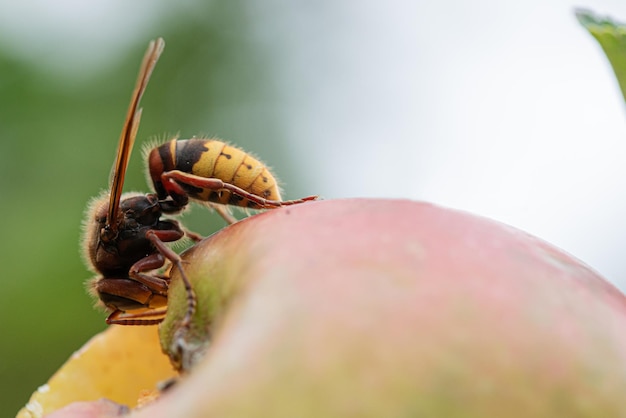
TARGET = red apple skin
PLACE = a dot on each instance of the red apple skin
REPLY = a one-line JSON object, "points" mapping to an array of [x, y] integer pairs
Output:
{"points": [[393, 308]]}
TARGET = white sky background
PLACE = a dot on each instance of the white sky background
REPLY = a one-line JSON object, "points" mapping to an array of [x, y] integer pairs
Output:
{"points": [[505, 109]]}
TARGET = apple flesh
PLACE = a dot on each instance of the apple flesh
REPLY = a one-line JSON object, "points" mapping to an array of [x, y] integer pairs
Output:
{"points": [[394, 308]]}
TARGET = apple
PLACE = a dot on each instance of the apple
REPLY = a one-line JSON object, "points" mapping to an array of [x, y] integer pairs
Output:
{"points": [[389, 308]]}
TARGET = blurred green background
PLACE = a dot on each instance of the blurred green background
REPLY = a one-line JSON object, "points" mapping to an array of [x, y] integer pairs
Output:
{"points": [[58, 139]]}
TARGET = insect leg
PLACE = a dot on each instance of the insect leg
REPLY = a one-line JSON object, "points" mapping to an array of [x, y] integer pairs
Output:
{"points": [[157, 237], [224, 213], [194, 236], [119, 317], [172, 178], [154, 261]]}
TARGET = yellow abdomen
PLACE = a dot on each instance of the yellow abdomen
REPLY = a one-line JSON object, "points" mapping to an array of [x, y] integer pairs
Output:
{"points": [[210, 158]]}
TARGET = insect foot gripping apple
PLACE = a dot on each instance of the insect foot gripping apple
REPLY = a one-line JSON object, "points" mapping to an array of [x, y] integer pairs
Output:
{"points": [[125, 234]]}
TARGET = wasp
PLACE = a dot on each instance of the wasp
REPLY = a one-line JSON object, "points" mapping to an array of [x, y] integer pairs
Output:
{"points": [[125, 234]]}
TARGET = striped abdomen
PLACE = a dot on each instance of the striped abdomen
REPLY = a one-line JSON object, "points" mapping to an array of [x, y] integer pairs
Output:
{"points": [[210, 158]]}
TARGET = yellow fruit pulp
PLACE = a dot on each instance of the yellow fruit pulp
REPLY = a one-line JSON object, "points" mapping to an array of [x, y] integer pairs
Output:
{"points": [[117, 364]]}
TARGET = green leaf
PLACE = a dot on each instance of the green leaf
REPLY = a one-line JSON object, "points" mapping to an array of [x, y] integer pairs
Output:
{"points": [[611, 35]]}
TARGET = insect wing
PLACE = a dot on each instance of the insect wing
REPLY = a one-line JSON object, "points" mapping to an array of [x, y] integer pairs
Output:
{"points": [[129, 131]]}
